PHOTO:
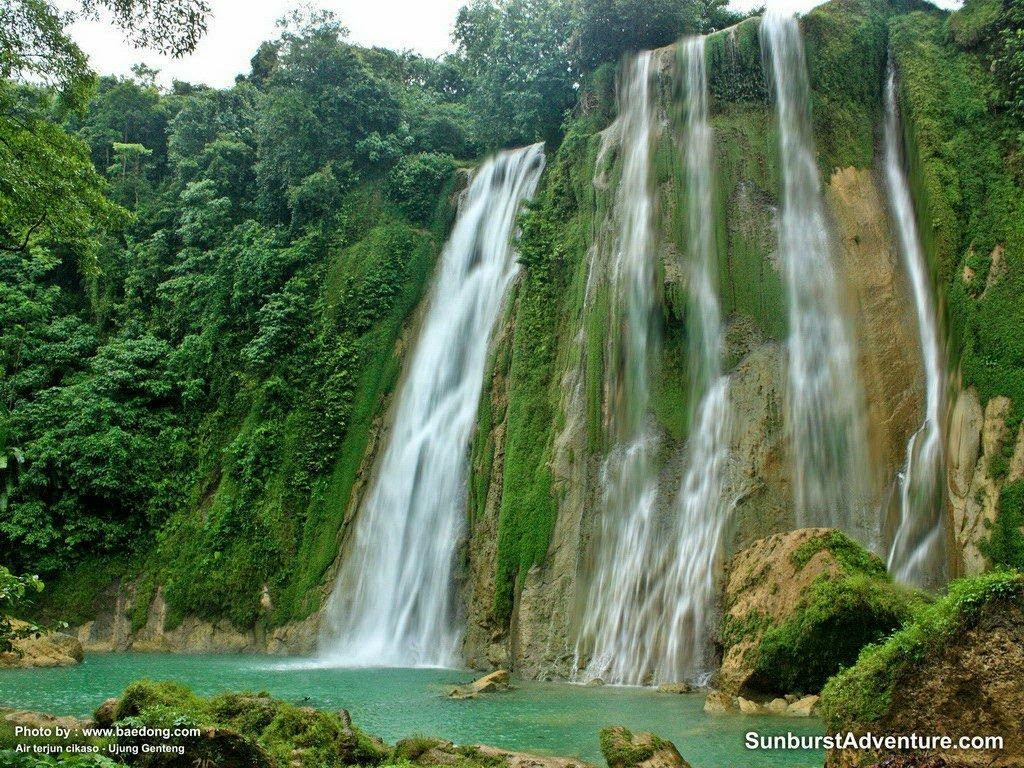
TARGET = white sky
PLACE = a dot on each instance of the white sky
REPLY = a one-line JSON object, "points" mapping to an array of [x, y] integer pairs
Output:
{"points": [[237, 27]]}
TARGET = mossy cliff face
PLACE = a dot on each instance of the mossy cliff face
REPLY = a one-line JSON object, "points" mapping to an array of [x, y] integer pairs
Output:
{"points": [[543, 429], [970, 200]]}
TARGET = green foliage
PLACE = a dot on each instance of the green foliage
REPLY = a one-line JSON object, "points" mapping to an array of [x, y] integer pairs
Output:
{"points": [[836, 619], [972, 209], [608, 29], [846, 46], [515, 55], [1005, 544], [50, 195], [862, 694], [551, 247], [283, 734], [852, 557], [417, 184], [15, 594]]}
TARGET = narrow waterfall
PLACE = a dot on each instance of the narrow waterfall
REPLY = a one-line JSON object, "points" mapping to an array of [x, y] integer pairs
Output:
{"points": [[614, 636], [917, 553], [393, 603], [702, 505], [824, 399]]}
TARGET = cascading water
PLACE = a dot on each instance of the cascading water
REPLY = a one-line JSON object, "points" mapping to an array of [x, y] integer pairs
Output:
{"points": [[613, 637], [824, 398], [702, 506], [649, 606], [392, 604], [917, 553]]}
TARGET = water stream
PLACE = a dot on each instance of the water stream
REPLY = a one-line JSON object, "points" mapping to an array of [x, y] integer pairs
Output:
{"points": [[393, 604], [614, 641], [824, 397], [917, 554], [702, 506]]}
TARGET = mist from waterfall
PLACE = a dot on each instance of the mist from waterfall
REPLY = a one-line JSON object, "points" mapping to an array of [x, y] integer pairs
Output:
{"points": [[393, 601], [614, 640], [824, 398], [917, 552]]}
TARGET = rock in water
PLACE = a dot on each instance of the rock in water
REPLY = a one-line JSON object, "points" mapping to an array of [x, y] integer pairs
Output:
{"points": [[675, 688], [955, 670], [499, 680], [624, 749]]}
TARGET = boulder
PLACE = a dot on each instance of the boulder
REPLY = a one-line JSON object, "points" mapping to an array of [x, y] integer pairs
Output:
{"points": [[48, 649], [105, 713], [719, 703], [624, 749], [800, 605], [675, 688], [499, 680], [955, 670], [804, 707]]}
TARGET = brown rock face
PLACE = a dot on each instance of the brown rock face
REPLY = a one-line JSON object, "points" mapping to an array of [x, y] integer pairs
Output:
{"points": [[881, 306], [624, 749], [764, 585], [50, 649]]}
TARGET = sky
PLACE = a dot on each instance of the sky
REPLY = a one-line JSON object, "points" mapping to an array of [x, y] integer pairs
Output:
{"points": [[237, 27]]}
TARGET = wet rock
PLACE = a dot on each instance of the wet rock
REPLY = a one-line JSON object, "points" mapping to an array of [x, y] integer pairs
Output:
{"points": [[29, 719], [804, 707], [624, 749], [719, 703], [596, 682], [498, 680], [749, 706], [777, 706], [675, 688]]}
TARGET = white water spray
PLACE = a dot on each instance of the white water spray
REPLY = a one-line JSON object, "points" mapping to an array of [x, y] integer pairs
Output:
{"points": [[651, 603], [393, 602], [917, 553], [824, 398], [702, 505], [613, 640]]}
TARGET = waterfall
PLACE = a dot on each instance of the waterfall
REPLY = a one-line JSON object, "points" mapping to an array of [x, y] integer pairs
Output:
{"points": [[392, 604], [917, 553], [649, 607], [824, 400], [702, 505], [613, 636]]}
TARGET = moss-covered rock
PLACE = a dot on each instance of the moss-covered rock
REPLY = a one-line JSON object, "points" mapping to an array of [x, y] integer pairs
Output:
{"points": [[624, 749], [801, 605], [954, 670], [247, 728]]}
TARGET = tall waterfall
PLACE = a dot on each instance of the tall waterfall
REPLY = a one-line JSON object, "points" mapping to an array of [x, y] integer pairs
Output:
{"points": [[614, 633], [702, 505], [393, 604], [917, 553], [649, 606], [824, 399]]}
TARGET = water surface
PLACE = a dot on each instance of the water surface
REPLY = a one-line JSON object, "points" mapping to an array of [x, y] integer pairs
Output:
{"points": [[553, 718]]}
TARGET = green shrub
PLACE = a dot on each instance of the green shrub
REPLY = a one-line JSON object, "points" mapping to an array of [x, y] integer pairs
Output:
{"points": [[862, 694], [419, 183]]}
